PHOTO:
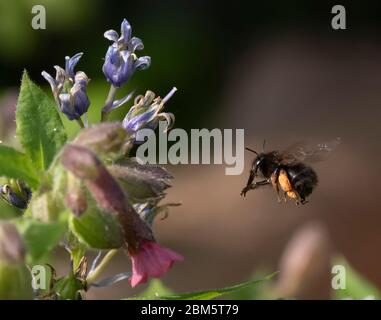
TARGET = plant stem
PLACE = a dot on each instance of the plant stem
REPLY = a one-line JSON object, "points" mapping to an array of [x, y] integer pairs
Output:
{"points": [[80, 122], [108, 104], [101, 266]]}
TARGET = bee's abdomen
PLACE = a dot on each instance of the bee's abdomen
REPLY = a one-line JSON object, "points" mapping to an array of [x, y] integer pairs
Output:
{"points": [[302, 178]]}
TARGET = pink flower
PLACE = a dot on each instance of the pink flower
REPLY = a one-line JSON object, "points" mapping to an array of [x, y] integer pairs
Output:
{"points": [[151, 260]]}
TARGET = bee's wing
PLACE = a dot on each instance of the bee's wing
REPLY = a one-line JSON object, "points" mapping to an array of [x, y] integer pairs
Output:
{"points": [[302, 151]]}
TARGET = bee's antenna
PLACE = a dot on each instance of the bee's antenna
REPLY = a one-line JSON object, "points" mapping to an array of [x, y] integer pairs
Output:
{"points": [[264, 145], [253, 151]]}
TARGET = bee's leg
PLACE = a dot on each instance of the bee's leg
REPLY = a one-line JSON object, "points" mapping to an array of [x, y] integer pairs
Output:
{"points": [[249, 184], [285, 196], [275, 184], [298, 199], [262, 183], [254, 185]]}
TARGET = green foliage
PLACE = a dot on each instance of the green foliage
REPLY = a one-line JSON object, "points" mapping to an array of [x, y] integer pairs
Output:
{"points": [[161, 293], [156, 288], [14, 164], [97, 229], [39, 126], [356, 286], [261, 292], [67, 288], [15, 282], [39, 237], [78, 250]]}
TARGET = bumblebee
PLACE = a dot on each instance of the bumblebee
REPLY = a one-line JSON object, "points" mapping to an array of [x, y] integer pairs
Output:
{"points": [[287, 170]]}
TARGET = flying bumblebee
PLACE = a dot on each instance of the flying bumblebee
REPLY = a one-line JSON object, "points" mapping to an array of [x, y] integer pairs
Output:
{"points": [[287, 170]]}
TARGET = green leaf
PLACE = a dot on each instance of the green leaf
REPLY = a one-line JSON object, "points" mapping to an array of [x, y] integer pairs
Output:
{"points": [[77, 253], [97, 229], [14, 164], [209, 294], [356, 286], [39, 127], [68, 288], [15, 282], [262, 292], [156, 289], [39, 237]]}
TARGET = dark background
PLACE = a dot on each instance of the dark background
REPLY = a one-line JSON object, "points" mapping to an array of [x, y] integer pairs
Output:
{"points": [[276, 69]]}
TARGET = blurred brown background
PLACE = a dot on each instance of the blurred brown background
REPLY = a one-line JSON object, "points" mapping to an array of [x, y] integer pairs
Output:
{"points": [[280, 72]]}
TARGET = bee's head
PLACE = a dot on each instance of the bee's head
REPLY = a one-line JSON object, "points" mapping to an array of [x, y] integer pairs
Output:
{"points": [[259, 160], [258, 164]]}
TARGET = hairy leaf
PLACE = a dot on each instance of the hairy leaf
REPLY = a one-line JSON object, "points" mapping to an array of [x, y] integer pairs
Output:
{"points": [[39, 237], [39, 127], [208, 294], [97, 229], [14, 164]]}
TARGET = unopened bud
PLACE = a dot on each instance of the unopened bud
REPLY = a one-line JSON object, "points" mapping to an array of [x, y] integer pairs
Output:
{"points": [[15, 192], [106, 191], [76, 197], [141, 182], [81, 162], [15, 278], [103, 138], [305, 259], [11, 246]]}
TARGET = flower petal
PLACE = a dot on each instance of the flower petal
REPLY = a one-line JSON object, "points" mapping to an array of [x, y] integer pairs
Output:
{"points": [[70, 63], [81, 78], [126, 32], [112, 280], [139, 121], [111, 35], [50, 79], [169, 118], [136, 44], [142, 63], [60, 75], [66, 105], [152, 260], [120, 102]]}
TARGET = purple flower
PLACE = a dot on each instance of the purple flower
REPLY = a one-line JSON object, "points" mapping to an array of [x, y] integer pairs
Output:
{"points": [[151, 260], [146, 113], [69, 88], [121, 61]]}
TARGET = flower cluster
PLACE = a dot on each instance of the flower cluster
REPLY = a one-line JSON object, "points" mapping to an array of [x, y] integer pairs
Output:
{"points": [[98, 169], [69, 88], [130, 192], [121, 61]]}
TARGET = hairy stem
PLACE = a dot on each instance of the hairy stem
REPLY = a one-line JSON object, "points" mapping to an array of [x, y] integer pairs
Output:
{"points": [[80, 122], [108, 104], [101, 266]]}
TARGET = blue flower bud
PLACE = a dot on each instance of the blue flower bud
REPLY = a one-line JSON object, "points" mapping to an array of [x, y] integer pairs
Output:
{"points": [[121, 61], [15, 192], [69, 88], [146, 113]]}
